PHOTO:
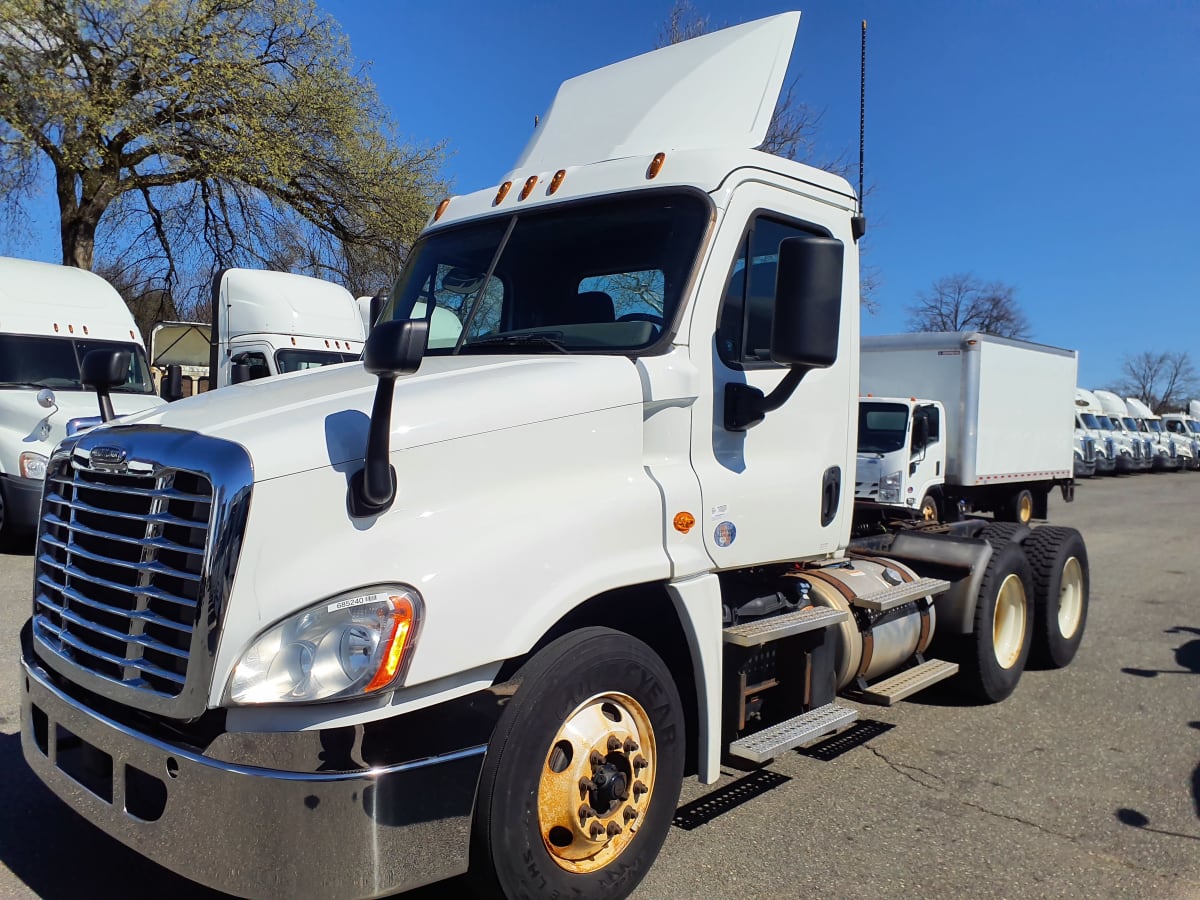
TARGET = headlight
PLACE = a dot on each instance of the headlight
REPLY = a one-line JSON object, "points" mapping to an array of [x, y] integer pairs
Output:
{"points": [[347, 646], [889, 487], [32, 465]]}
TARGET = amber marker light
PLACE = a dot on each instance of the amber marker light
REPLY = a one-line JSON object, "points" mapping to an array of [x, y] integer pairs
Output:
{"points": [[502, 193], [557, 180], [85, 331], [656, 165], [441, 208], [684, 521], [530, 184], [402, 622], [56, 327]]}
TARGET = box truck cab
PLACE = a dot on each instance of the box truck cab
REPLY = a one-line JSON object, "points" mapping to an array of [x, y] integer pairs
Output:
{"points": [[1186, 432], [50, 317], [481, 603], [1169, 454], [1087, 412], [264, 323], [1117, 416], [901, 455]]}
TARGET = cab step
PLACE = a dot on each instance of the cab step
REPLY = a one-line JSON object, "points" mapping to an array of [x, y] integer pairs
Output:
{"points": [[800, 731], [810, 618], [908, 682], [900, 594]]}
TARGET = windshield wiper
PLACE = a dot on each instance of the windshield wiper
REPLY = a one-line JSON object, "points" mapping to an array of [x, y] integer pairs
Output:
{"points": [[22, 384], [517, 340]]}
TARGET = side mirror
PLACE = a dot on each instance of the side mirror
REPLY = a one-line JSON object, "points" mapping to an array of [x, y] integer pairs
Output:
{"points": [[920, 437], [103, 370], [239, 373], [46, 399], [172, 387], [377, 304], [394, 348], [804, 329]]}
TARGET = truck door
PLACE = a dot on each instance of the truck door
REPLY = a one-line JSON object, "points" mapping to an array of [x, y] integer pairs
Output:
{"points": [[783, 488]]}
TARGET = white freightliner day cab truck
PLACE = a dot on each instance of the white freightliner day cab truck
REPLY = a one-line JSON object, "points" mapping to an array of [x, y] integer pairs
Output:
{"points": [[50, 318], [264, 323], [482, 605], [1005, 440], [1088, 430]]}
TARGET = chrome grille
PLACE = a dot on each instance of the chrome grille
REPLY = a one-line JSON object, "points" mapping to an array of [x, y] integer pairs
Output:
{"points": [[1110, 447], [1089, 449], [119, 569]]}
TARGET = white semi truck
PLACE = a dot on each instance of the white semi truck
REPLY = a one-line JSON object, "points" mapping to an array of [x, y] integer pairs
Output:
{"points": [[51, 317], [482, 605], [1088, 429], [1006, 442], [1170, 454], [264, 323], [1117, 416], [1186, 431]]}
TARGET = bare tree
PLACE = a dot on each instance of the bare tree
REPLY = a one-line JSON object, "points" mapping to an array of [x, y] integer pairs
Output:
{"points": [[1163, 381], [198, 131], [963, 302]]}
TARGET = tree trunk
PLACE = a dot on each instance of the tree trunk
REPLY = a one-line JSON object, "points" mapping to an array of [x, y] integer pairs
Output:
{"points": [[78, 221]]}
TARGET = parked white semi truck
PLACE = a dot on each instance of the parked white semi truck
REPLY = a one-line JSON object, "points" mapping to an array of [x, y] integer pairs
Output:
{"points": [[264, 324], [1186, 431], [1170, 454], [1006, 441], [1089, 429], [1117, 417], [50, 318], [343, 632]]}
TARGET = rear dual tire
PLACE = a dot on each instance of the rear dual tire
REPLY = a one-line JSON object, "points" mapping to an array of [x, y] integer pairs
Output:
{"points": [[1061, 584], [993, 656]]}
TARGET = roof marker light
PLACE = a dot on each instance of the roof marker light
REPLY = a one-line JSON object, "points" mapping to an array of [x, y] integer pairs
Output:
{"points": [[656, 165], [85, 331], [71, 329], [441, 208], [557, 180], [530, 184], [56, 326], [502, 193]]}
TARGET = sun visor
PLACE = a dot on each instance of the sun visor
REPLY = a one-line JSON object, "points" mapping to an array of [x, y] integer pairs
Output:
{"points": [[716, 91]]}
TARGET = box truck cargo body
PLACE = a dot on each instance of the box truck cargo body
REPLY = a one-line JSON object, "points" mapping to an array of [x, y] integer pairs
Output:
{"points": [[1007, 440]]}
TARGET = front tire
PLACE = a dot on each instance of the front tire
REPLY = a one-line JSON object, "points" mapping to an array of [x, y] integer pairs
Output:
{"points": [[929, 508], [994, 655], [1061, 587], [583, 773]]}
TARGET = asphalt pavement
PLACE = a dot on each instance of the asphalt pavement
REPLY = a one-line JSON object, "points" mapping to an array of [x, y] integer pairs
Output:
{"points": [[1085, 783]]}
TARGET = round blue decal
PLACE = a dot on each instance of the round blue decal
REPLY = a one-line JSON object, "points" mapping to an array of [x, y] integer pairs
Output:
{"points": [[724, 534]]}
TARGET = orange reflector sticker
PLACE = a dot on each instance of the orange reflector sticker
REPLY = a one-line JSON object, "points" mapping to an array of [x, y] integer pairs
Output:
{"points": [[684, 522]]}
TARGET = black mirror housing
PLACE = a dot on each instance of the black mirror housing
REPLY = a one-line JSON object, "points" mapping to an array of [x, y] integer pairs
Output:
{"points": [[396, 347], [103, 370], [808, 302], [172, 385]]}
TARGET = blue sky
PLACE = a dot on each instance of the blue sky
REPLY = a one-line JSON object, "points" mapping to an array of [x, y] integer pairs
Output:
{"points": [[1049, 145]]}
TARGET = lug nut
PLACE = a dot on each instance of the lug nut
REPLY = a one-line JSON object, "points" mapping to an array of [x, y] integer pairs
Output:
{"points": [[623, 796], [614, 743], [639, 789], [630, 814], [586, 784], [613, 829], [630, 745], [596, 759], [639, 762], [596, 830], [585, 813]]}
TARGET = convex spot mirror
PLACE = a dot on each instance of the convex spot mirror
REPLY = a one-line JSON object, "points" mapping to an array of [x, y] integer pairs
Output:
{"points": [[808, 302]]}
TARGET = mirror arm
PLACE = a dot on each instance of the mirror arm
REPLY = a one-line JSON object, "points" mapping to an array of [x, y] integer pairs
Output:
{"points": [[373, 487], [746, 406]]}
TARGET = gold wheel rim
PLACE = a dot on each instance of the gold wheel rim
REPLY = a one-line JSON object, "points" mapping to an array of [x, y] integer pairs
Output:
{"points": [[1070, 598], [596, 782], [928, 510], [1025, 508], [1008, 622]]}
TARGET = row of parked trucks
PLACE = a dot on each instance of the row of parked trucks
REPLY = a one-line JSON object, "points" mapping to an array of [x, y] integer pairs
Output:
{"points": [[577, 524], [1121, 436]]}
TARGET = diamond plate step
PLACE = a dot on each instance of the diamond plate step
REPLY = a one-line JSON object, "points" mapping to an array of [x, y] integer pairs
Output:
{"points": [[908, 682], [900, 594], [802, 730], [752, 634]]}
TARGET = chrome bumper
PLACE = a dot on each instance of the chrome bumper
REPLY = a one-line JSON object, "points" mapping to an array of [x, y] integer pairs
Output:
{"points": [[251, 831]]}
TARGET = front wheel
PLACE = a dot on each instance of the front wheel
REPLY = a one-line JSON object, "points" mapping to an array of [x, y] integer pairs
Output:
{"points": [[583, 772], [929, 508], [994, 654]]}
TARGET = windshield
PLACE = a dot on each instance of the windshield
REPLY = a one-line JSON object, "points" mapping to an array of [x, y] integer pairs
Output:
{"points": [[1154, 425], [1106, 423], [882, 427], [1089, 421], [1194, 426], [601, 276], [29, 361], [295, 360], [1131, 423]]}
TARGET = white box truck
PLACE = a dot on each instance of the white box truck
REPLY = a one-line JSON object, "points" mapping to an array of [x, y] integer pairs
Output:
{"points": [[264, 323], [50, 318], [480, 606], [1007, 442]]}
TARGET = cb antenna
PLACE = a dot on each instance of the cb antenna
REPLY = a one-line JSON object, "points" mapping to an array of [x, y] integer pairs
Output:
{"points": [[858, 223]]}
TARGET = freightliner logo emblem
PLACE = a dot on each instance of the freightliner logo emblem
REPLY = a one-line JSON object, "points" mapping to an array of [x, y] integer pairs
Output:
{"points": [[111, 458]]}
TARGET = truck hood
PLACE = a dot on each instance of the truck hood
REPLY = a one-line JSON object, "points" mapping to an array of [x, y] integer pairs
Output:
{"points": [[320, 417]]}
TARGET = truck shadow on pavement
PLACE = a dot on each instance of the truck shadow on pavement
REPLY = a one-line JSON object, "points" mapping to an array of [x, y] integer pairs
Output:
{"points": [[1187, 658]]}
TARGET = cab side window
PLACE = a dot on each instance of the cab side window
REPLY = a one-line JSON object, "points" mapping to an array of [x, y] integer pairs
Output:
{"points": [[744, 327]]}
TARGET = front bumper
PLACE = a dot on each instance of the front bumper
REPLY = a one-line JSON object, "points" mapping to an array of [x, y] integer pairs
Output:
{"points": [[22, 502], [245, 830]]}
